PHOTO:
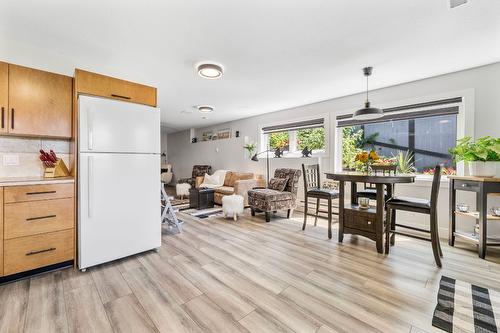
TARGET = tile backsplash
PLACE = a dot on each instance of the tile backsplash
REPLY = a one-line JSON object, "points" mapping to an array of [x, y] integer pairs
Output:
{"points": [[27, 151]]}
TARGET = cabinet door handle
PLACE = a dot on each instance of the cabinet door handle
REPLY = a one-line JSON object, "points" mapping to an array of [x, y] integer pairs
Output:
{"points": [[42, 192], [3, 117], [12, 122], [40, 251], [90, 185], [120, 96], [40, 217]]}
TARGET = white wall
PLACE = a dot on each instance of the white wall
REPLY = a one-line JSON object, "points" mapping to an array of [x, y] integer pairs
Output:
{"points": [[483, 102]]}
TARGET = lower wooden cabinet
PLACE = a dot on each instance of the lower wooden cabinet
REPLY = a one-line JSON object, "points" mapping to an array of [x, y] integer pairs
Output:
{"points": [[26, 253], [37, 226]]}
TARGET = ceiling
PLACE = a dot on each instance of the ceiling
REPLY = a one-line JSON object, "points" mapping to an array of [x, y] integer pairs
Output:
{"points": [[276, 54]]}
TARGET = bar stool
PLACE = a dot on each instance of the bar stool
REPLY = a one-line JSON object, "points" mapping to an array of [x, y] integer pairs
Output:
{"points": [[312, 189], [416, 205]]}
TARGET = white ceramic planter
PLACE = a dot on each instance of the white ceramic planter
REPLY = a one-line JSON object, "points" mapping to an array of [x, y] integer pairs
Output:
{"points": [[483, 169]]}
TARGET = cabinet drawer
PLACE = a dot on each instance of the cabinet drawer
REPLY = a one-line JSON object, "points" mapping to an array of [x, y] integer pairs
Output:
{"points": [[26, 253], [38, 192], [36, 217], [359, 220], [466, 185], [101, 85]]}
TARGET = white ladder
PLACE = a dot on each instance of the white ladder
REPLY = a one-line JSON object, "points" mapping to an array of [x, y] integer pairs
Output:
{"points": [[168, 213]]}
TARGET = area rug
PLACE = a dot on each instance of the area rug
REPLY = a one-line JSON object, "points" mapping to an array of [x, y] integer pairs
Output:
{"points": [[204, 213], [464, 307]]}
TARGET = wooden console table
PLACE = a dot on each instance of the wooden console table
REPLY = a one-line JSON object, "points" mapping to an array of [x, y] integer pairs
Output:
{"points": [[482, 186], [368, 223]]}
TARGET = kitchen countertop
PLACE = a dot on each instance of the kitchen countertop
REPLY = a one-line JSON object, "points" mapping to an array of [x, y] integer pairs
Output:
{"points": [[16, 181]]}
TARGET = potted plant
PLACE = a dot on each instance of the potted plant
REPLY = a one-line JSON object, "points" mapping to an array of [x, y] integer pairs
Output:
{"points": [[250, 147], [481, 155]]}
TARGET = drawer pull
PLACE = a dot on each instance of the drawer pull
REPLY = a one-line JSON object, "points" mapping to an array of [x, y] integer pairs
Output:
{"points": [[42, 192], [369, 222], [3, 117], [40, 251], [120, 96], [40, 217], [465, 185]]}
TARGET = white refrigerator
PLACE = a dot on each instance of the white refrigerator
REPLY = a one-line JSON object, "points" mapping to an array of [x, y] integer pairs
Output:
{"points": [[118, 180]]}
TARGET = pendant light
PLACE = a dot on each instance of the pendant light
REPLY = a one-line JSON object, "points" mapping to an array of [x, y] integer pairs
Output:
{"points": [[368, 112]]}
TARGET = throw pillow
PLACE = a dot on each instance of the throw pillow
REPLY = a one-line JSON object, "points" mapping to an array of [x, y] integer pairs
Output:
{"points": [[278, 184], [210, 181]]}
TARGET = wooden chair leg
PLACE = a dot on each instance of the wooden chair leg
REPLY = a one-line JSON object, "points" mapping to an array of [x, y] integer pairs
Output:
{"points": [[329, 218], [252, 211], [435, 239], [387, 230], [288, 214], [317, 212], [393, 226], [305, 214]]}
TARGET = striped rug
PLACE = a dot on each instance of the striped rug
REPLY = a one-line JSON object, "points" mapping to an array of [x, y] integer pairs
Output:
{"points": [[464, 307]]}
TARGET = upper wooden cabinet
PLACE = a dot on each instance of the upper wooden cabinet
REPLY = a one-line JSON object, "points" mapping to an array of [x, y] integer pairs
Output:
{"points": [[100, 85], [40, 103], [4, 96]]}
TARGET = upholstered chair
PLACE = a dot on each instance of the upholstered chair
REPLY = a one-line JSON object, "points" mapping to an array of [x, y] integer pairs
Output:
{"points": [[198, 171], [269, 200]]}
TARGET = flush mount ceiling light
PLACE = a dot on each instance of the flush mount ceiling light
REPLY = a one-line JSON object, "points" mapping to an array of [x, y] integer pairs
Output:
{"points": [[210, 71], [368, 112], [205, 109]]}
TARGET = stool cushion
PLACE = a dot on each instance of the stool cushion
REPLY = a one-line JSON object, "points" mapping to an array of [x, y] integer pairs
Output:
{"points": [[232, 204], [182, 189], [323, 192], [408, 202]]}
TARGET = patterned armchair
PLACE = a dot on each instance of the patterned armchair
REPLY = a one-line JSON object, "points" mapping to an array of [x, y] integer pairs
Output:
{"points": [[198, 171], [268, 200]]}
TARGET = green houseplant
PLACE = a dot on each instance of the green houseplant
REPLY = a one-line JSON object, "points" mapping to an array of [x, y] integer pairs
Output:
{"points": [[250, 147], [482, 155]]}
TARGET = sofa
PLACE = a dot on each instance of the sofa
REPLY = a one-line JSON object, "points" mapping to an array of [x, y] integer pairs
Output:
{"points": [[236, 183], [270, 200]]}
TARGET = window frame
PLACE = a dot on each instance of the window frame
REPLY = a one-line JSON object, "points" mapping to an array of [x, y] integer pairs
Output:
{"points": [[465, 115], [263, 138]]}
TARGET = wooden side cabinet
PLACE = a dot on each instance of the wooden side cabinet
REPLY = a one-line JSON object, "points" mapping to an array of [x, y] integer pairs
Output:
{"points": [[40, 103]]}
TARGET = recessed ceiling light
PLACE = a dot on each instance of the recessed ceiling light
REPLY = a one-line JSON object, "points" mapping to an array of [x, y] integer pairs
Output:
{"points": [[210, 71], [205, 108]]}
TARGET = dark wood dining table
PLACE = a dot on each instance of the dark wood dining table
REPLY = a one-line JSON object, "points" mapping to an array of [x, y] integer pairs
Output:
{"points": [[366, 222]]}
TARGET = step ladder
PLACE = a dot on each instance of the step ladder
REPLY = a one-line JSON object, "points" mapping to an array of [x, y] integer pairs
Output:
{"points": [[167, 211]]}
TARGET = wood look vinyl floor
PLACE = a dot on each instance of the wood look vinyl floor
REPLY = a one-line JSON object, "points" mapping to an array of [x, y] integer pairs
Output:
{"points": [[248, 276]]}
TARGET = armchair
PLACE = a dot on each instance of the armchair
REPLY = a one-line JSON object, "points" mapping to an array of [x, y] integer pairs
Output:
{"points": [[198, 171], [268, 200]]}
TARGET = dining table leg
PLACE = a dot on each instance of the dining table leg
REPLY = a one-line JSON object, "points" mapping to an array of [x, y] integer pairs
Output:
{"points": [[341, 210], [354, 192], [379, 222]]}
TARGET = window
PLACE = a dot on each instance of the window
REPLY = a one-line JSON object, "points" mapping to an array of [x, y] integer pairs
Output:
{"points": [[423, 138], [292, 138]]}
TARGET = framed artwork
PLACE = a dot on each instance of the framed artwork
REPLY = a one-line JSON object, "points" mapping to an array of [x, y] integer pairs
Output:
{"points": [[207, 136], [224, 133]]}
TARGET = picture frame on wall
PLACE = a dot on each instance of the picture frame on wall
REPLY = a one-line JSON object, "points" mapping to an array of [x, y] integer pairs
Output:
{"points": [[207, 136], [224, 133]]}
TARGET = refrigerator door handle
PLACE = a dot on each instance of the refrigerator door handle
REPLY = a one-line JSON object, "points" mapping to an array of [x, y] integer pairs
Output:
{"points": [[90, 129], [90, 185]]}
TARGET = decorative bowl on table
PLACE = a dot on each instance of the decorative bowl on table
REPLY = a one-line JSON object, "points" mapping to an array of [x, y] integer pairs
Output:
{"points": [[495, 211], [462, 208], [364, 203]]}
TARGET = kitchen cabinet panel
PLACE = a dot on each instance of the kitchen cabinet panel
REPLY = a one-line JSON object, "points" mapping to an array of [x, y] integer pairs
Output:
{"points": [[88, 83], [26, 253], [40, 103], [37, 217], [4, 96]]}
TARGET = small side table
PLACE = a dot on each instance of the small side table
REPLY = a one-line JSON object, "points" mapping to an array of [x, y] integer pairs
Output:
{"points": [[201, 198], [483, 187]]}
